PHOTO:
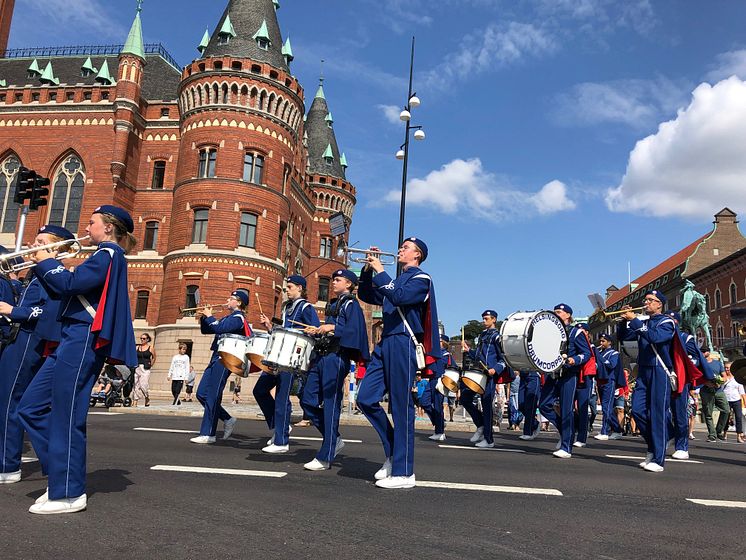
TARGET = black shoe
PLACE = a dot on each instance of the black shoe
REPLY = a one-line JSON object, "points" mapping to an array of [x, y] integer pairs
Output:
{"points": [[711, 439], [721, 437]]}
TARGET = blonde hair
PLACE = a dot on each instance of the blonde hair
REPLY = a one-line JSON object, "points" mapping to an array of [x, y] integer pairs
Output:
{"points": [[124, 238]]}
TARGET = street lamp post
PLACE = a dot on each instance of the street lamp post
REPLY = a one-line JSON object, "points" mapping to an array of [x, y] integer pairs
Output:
{"points": [[403, 154]]}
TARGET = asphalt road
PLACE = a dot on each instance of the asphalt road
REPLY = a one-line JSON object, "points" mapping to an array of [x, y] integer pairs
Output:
{"points": [[590, 506]]}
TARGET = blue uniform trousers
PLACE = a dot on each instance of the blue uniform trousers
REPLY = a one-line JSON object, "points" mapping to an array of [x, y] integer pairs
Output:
{"points": [[483, 418], [610, 422], [528, 399], [322, 400], [276, 410], [547, 396], [392, 369], [432, 403], [20, 362], [583, 398], [679, 425], [210, 395], [515, 416], [650, 409], [54, 408], [564, 389]]}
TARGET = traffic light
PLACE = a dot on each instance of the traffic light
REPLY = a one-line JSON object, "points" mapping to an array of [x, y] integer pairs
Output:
{"points": [[39, 192], [24, 184]]}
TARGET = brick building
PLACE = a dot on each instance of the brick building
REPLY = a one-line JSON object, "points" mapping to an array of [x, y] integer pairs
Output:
{"points": [[229, 180]]}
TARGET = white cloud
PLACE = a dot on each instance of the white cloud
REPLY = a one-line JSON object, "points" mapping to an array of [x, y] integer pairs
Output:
{"points": [[72, 12], [464, 186], [391, 113], [731, 63], [694, 165], [601, 15], [635, 103]]}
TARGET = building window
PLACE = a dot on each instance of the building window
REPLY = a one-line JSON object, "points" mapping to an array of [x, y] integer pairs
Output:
{"points": [[165, 113], [707, 302], [191, 299], [326, 248], [104, 96], [224, 39], [86, 73], [141, 307], [159, 175], [733, 294], [150, 242], [207, 159], [53, 96], [720, 335], [323, 289], [199, 233], [8, 180], [253, 168], [263, 43], [718, 300], [66, 199], [247, 237], [283, 227]]}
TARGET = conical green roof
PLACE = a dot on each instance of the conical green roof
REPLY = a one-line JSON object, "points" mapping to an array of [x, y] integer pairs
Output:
{"points": [[103, 76], [329, 119], [47, 76], [204, 42], [263, 32], [322, 142], [328, 152], [227, 28], [88, 65], [134, 44], [287, 50], [343, 160], [34, 68]]}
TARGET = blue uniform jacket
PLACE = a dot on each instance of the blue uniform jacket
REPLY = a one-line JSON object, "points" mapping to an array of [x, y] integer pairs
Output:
{"points": [[299, 310], [577, 349], [611, 362], [101, 281], [230, 324], [658, 330], [488, 351], [7, 295], [37, 311], [349, 328]]}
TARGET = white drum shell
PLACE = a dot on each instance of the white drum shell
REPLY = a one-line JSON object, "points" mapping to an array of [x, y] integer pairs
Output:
{"points": [[450, 379], [475, 380], [232, 351], [289, 350], [256, 348], [543, 351]]}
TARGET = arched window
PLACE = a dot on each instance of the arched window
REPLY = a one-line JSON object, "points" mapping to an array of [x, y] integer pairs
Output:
{"points": [[707, 302], [8, 179], [207, 160], [733, 294], [247, 235], [253, 168], [199, 233], [323, 289], [67, 194], [159, 175], [141, 307], [326, 248], [718, 299], [150, 241], [191, 299]]}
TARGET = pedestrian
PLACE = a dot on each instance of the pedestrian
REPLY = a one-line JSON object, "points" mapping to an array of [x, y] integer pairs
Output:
{"points": [[190, 380], [178, 372], [145, 361], [236, 389], [734, 392], [713, 397]]}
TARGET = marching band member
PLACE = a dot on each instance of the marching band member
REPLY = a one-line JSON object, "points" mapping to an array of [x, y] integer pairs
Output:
{"points": [[9, 289], [565, 383], [432, 399], [96, 327], [277, 410], [583, 393], [409, 316], [652, 395], [212, 384], [528, 400], [488, 357], [36, 317], [344, 338], [610, 363]]}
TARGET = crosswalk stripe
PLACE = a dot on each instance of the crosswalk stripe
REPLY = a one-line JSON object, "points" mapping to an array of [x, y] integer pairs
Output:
{"points": [[209, 470], [303, 438], [105, 413], [718, 503], [488, 488], [482, 448], [166, 430], [636, 458]]}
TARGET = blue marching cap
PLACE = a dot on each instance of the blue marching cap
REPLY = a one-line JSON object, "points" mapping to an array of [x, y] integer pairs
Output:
{"points": [[445, 338], [490, 312], [57, 231], [583, 326], [119, 213], [298, 280], [563, 307], [420, 245], [657, 294], [606, 337], [241, 295], [675, 316], [347, 274]]}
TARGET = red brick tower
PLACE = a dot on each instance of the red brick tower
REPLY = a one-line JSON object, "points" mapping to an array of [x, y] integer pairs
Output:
{"points": [[6, 16]]}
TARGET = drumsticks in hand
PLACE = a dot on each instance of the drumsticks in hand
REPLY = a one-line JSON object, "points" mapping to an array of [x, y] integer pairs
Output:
{"points": [[259, 302], [302, 324]]}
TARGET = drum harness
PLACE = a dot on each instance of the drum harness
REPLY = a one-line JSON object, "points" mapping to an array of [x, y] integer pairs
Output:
{"points": [[328, 344]]}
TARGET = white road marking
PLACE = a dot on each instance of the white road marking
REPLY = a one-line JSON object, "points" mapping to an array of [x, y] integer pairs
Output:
{"points": [[29, 459], [482, 448], [488, 488], [166, 430], [685, 461], [636, 458], [207, 470], [718, 503], [105, 413], [302, 438]]}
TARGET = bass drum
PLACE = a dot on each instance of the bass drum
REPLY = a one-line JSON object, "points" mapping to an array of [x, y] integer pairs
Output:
{"points": [[533, 341]]}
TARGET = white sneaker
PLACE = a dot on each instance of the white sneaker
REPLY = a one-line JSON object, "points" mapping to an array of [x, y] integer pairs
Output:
{"points": [[601, 437], [478, 435], [525, 437], [561, 454], [536, 431], [228, 426], [392, 482], [203, 439], [10, 477], [484, 445], [276, 448], [384, 471], [648, 458], [680, 454], [66, 505], [316, 465], [339, 446], [578, 444], [43, 498], [559, 445], [271, 440], [653, 467], [615, 435], [438, 437]]}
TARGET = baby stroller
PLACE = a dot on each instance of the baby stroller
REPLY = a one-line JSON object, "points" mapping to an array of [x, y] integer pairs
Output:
{"points": [[117, 384]]}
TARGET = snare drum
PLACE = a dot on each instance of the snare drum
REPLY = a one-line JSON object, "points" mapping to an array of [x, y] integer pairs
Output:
{"points": [[289, 350], [475, 380], [232, 351], [533, 341], [256, 349], [450, 379]]}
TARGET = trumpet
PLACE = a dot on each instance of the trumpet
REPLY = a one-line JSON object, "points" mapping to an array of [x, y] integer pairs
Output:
{"points": [[604, 316], [9, 265], [347, 251], [183, 310]]}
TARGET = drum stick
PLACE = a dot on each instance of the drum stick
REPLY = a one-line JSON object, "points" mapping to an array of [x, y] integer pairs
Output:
{"points": [[484, 366], [302, 324], [259, 302]]}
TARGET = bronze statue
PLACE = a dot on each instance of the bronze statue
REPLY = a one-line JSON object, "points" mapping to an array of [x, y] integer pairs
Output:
{"points": [[694, 313]]}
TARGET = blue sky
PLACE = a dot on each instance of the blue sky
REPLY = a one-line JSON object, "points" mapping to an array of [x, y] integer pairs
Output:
{"points": [[564, 137]]}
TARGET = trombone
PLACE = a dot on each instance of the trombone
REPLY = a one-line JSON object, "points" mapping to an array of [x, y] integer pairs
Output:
{"points": [[347, 251], [604, 316], [9, 261]]}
